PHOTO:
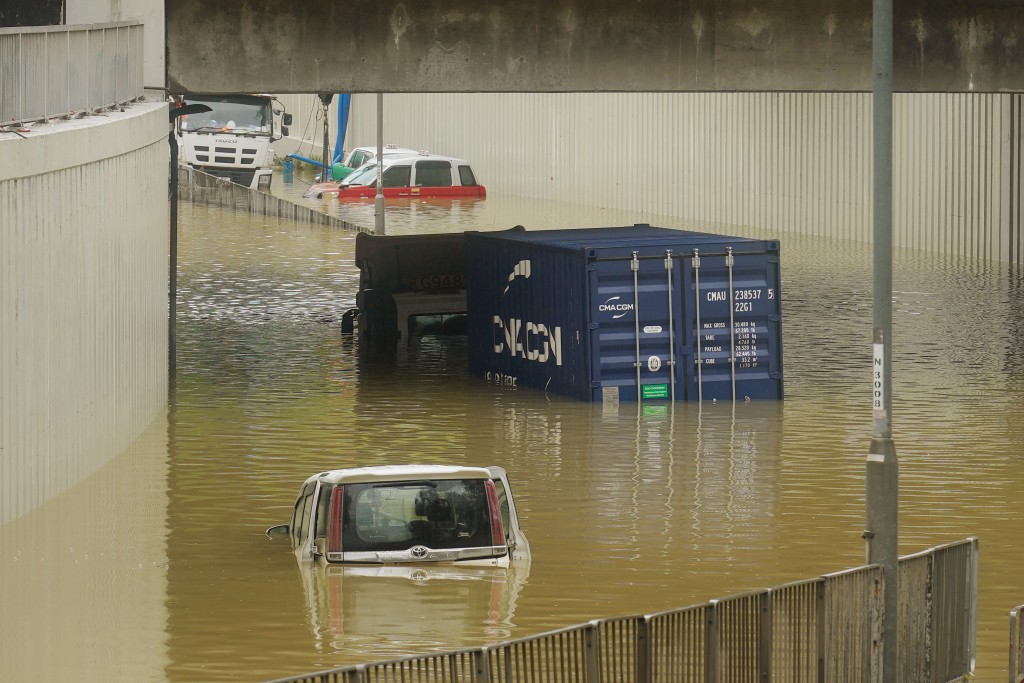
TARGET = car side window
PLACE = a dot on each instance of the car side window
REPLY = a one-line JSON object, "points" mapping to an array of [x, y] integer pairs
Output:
{"points": [[323, 511], [433, 173], [300, 515], [466, 176], [506, 515], [397, 176]]}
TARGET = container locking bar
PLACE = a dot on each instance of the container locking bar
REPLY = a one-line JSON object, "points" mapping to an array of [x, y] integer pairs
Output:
{"points": [[634, 265], [696, 288], [671, 328], [732, 324]]}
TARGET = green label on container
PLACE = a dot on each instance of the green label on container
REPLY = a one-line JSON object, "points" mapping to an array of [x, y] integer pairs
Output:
{"points": [[654, 391]]}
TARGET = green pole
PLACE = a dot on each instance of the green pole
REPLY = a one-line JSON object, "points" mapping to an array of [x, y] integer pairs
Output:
{"points": [[882, 477]]}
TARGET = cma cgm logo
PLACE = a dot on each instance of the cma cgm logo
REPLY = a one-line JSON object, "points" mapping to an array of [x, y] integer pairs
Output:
{"points": [[523, 338], [614, 305]]}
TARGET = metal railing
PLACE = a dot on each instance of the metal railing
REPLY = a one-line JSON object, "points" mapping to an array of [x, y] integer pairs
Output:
{"points": [[54, 72], [1017, 644], [938, 599], [824, 630]]}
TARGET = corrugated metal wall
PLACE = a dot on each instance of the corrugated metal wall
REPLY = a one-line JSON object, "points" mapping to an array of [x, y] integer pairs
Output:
{"points": [[83, 303], [786, 162]]}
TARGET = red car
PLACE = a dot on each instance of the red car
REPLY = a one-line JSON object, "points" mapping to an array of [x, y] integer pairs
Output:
{"points": [[423, 175]]}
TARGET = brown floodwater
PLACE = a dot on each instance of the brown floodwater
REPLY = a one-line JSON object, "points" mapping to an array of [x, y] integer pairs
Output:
{"points": [[157, 568]]}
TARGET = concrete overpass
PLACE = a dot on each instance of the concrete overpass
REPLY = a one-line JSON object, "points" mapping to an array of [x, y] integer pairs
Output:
{"points": [[395, 46]]}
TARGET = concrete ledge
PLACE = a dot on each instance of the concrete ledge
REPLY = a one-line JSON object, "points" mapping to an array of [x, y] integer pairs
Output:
{"points": [[65, 144]]}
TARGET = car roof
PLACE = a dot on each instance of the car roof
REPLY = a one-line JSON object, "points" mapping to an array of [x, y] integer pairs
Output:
{"points": [[388, 151], [358, 475], [420, 156]]}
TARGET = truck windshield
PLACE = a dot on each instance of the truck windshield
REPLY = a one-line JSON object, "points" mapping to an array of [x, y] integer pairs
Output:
{"points": [[239, 114], [399, 515]]}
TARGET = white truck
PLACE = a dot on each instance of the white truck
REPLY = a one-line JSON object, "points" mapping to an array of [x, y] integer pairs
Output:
{"points": [[232, 140]]}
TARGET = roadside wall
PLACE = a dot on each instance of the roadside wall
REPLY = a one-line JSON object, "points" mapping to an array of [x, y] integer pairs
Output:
{"points": [[84, 218], [785, 162]]}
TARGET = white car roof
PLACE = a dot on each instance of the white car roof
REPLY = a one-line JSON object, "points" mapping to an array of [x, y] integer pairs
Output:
{"points": [[420, 156], [359, 475], [388, 151]]}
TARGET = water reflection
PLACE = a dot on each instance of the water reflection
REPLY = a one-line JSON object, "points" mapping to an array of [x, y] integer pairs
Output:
{"points": [[396, 609]]}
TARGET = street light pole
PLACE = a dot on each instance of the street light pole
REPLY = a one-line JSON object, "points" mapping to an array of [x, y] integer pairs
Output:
{"points": [[882, 476], [378, 202]]}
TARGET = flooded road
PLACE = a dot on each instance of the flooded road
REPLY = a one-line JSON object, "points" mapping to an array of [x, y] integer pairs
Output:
{"points": [[157, 568]]}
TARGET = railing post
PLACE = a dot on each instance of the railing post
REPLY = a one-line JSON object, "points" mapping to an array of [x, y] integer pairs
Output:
{"points": [[877, 607], [1016, 645], [481, 669], [712, 644], [643, 647], [972, 596], [592, 643], [765, 636], [819, 627]]}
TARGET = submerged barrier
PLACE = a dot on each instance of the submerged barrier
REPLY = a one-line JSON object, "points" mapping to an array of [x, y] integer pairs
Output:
{"points": [[823, 629], [203, 188]]}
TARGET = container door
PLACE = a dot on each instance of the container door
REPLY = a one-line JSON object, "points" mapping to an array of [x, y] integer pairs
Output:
{"points": [[634, 313], [731, 303]]}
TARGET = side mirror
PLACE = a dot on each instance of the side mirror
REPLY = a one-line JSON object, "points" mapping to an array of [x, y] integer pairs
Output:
{"points": [[284, 131], [279, 530], [287, 120]]}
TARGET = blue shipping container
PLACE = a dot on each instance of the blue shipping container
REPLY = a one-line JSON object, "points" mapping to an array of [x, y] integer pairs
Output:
{"points": [[626, 313]]}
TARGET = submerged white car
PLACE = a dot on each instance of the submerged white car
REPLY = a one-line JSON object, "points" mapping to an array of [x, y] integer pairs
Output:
{"points": [[397, 514]]}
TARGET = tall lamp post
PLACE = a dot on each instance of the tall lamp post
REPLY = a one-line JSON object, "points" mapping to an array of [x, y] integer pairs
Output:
{"points": [[378, 201], [882, 476]]}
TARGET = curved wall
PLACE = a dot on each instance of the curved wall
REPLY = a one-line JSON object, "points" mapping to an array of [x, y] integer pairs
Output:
{"points": [[84, 217]]}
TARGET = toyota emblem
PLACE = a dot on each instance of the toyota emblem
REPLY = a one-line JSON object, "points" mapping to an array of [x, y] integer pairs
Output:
{"points": [[419, 551]]}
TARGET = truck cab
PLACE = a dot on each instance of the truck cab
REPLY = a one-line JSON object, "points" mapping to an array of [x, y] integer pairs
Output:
{"points": [[233, 139]]}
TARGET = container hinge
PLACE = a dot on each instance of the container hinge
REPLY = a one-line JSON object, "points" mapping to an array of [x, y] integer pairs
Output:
{"points": [[729, 264], [592, 326], [697, 360], [634, 265]]}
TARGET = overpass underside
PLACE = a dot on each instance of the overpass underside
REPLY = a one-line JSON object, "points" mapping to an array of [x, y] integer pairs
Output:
{"points": [[393, 46]]}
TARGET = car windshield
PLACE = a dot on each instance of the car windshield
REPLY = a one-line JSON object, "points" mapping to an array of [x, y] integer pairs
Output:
{"points": [[367, 175], [399, 515]]}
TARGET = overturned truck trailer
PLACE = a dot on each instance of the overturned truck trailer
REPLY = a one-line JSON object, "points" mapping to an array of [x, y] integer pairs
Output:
{"points": [[623, 313]]}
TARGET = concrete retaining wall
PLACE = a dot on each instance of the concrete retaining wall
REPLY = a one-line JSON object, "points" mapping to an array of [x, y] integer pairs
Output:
{"points": [[84, 218], [203, 188]]}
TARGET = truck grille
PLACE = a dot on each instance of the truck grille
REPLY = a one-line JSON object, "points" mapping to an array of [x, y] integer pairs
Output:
{"points": [[237, 176]]}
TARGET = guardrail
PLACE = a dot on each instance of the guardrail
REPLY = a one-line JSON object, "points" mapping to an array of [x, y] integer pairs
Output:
{"points": [[1017, 644], [54, 72], [824, 629], [938, 601]]}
